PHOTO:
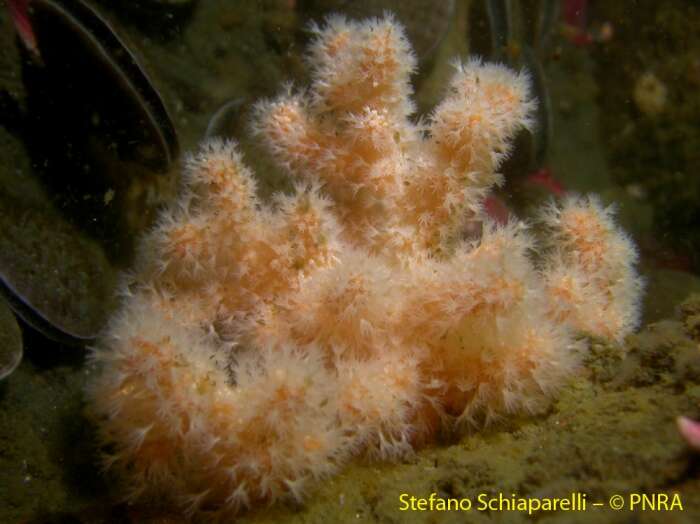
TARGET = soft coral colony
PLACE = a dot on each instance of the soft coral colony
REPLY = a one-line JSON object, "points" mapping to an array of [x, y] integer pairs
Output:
{"points": [[260, 348]]}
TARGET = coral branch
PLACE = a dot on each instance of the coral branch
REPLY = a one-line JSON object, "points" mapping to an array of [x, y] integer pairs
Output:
{"points": [[590, 277]]}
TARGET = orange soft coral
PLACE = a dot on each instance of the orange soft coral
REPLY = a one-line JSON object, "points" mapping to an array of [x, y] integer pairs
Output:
{"points": [[261, 348]]}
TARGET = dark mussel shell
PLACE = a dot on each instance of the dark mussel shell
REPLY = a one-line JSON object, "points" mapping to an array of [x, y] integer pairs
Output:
{"points": [[102, 143], [87, 70], [96, 128]]}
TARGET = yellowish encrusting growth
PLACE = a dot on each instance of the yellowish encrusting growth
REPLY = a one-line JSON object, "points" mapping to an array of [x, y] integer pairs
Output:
{"points": [[262, 347]]}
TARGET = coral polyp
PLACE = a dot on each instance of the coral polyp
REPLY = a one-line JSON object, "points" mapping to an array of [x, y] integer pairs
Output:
{"points": [[260, 347]]}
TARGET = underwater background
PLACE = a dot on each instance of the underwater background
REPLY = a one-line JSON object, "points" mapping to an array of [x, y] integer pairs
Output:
{"points": [[91, 143]]}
